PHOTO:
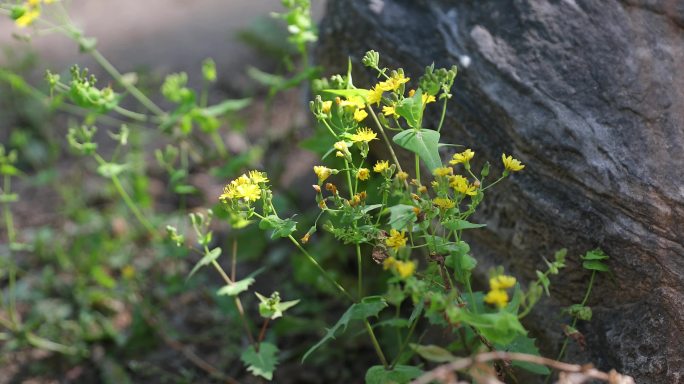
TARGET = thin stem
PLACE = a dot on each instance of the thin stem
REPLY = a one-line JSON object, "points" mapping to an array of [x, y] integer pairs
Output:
{"points": [[238, 302], [262, 333], [320, 268], [360, 271], [233, 264], [441, 120], [385, 138], [218, 142], [9, 219], [418, 168], [405, 343], [131, 204], [376, 345], [141, 117], [116, 75], [494, 183], [349, 182]]}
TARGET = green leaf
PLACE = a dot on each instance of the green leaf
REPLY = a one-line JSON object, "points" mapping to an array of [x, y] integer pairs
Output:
{"points": [[457, 225], [226, 106], [236, 288], [369, 306], [501, 327], [424, 143], [263, 362], [280, 227], [595, 254], [595, 265], [206, 260], [400, 374], [524, 344], [8, 197], [401, 216], [544, 281], [110, 170], [411, 109], [349, 93], [433, 353], [8, 169]]}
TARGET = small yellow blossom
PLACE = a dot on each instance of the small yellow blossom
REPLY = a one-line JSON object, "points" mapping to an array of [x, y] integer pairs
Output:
{"points": [[460, 184], [326, 106], [511, 164], [363, 135], [244, 187], [363, 174], [258, 177], [360, 114], [501, 282], [443, 171], [393, 83], [381, 166], [462, 157], [497, 297], [28, 17], [396, 240], [374, 96], [248, 192], [427, 98], [355, 101], [389, 263], [402, 176], [389, 111], [128, 272], [322, 172], [405, 268], [340, 146], [443, 202]]}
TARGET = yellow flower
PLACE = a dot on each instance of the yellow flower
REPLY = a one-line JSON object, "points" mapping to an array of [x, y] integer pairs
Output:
{"points": [[354, 101], [360, 114], [248, 192], [443, 203], [258, 177], [443, 171], [497, 297], [427, 98], [402, 176], [363, 174], [381, 166], [511, 164], [389, 262], [242, 188], [325, 108], [363, 135], [396, 240], [462, 157], [374, 96], [393, 82], [28, 17], [322, 172], [460, 184], [405, 268], [501, 282], [389, 111], [128, 272]]}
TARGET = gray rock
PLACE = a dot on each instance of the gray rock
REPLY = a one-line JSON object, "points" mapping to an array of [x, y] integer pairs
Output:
{"points": [[590, 96]]}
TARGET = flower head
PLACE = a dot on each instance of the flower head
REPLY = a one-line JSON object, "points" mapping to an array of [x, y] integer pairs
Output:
{"points": [[501, 282], [374, 95], [460, 184], [511, 164], [443, 203], [322, 172], [427, 98], [393, 83], [354, 101], [30, 14], [363, 135], [405, 268], [380, 166], [360, 114], [258, 177], [402, 176], [363, 174], [443, 171], [462, 157], [244, 187], [396, 240], [497, 297], [326, 105], [389, 111]]}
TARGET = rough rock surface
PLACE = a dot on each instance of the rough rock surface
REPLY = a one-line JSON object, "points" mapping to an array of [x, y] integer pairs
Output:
{"points": [[590, 96]]}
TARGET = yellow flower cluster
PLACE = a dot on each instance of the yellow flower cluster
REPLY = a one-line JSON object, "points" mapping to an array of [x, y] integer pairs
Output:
{"points": [[443, 171], [396, 240], [497, 294], [511, 164], [381, 166], [363, 174], [402, 268], [460, 185], [443, 202], [247, 187], [391, 84]]}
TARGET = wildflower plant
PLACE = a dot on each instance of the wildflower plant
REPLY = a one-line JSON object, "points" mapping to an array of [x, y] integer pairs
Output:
{"points": [[411, 226]]}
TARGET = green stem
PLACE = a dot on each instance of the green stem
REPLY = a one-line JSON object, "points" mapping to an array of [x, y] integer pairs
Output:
{"points": [[218, 142], [320, 268], [385, 138], [238, 302], [9, 219], [376, 345], [360, 271], [349, 182], [141, 117], [418, 168], [441, 120], [116, 75], [492, 184], [405, 343]]}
